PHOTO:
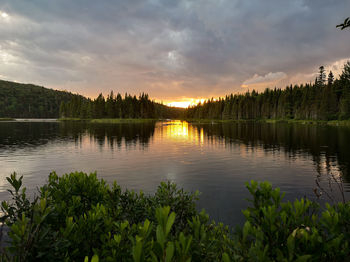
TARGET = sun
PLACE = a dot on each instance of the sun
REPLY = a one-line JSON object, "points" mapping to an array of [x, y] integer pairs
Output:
{"points": [[185, 102], [3, 14]]}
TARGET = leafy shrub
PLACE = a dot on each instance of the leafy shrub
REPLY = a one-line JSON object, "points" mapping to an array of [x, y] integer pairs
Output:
{"points": [[80, 218], [292, 231]]}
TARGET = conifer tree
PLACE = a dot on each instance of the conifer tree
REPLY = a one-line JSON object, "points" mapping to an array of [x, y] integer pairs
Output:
{"points": [[345, 76], [110, 106], [330, 78], [321, 76], [63, 109]]}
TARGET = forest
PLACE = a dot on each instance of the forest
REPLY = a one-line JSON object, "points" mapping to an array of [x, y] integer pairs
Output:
{"points": [[328, 98], [31, 101], [116, 106], [325, 99]]}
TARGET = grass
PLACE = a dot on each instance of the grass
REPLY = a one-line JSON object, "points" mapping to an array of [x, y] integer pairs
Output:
{"points": [[110, 120], [339, 123], [71, 119], [7, 119], [309, 122], [274, 121], [215, 121], [121, 120]]}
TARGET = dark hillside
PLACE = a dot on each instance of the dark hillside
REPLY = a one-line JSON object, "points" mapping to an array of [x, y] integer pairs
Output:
{"points": [[31, 101]]}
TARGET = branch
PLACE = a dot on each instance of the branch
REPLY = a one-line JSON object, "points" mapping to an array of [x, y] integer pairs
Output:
{"points": [[345, 24]]}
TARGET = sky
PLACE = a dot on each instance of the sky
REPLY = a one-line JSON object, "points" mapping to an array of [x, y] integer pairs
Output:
{"points": [[177, 51]]}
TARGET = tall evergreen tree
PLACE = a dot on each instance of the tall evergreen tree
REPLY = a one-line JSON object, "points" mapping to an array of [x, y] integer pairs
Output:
{"points": [[63, 110], [345, 76], [330, 78], [321, 76], [110, 106]]}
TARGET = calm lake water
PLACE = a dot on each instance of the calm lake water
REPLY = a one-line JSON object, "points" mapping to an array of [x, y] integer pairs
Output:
{"points": [[216, 159]]}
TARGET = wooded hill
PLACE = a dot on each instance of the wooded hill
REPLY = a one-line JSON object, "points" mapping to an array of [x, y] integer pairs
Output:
{"points": [[31, 101], [325, 99]]}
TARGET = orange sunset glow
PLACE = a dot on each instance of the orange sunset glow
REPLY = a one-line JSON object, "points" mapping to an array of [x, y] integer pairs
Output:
{"points": [[185, 102]]}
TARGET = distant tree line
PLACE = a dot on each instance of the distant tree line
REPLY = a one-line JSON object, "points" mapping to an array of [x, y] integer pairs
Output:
{"points": [[325, 99], [116, 106], [31, 101]]}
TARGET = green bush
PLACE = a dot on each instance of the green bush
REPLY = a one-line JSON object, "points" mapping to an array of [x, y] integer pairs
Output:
{"points": [[80, 218]]}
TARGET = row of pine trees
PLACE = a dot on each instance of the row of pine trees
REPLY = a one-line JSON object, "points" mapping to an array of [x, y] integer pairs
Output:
{"points": [[116, 106], [326, 99]]}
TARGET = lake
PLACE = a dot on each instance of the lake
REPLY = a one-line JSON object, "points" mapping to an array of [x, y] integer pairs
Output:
{"points": [[215, 158]]}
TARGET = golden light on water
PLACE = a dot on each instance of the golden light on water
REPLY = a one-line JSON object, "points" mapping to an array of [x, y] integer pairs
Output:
{"points": [[176, 129], [183, 131]]}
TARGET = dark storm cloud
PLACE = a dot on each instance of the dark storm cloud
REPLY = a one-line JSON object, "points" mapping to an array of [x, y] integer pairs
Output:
{"points": [[169, 49]]}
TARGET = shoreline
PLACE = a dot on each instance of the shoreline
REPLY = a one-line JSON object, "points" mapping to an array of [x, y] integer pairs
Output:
{"points": [[7, 119], [110, 120], [199, 121], [273, 121]]}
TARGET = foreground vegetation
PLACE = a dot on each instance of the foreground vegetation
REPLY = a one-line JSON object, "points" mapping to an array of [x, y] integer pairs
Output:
{"points": [[77, 217], [326, 99]]}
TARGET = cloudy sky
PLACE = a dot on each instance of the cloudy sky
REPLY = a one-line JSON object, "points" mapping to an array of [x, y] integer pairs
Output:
{"points": [[175, 50]]}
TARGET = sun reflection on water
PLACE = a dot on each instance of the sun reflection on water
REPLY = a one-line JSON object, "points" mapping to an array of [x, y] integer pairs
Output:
{"points": [[182, 130], [177, 129]]}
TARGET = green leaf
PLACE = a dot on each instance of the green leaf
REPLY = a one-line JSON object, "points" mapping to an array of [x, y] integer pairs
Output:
{"points": [[169, 252], [246, 229], [160, 235], [169, 223], [303, 258], [225, 257], [291, 245], [137, 251], [94, 258]]}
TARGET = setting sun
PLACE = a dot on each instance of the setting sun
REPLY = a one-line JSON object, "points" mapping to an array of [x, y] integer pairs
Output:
{"points": [[186, 102], [3, 14]]}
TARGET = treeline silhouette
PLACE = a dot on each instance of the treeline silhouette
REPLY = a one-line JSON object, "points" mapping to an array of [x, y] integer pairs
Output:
{"points": [[326, 99], [31, 101], [116, 106]]}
